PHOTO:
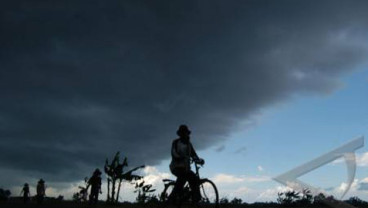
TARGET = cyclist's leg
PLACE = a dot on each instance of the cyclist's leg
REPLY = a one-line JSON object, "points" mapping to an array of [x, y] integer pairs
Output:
{"points": [[194, 186], [179, 184]]}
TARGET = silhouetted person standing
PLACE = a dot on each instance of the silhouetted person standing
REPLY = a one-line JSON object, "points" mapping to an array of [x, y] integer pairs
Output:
{"points": [[95, 183], [41, 191], [25, 192], [182, 152]]}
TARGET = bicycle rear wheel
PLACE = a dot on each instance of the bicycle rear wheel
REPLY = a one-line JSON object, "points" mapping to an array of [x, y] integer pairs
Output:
{"points": [[209, 194]]}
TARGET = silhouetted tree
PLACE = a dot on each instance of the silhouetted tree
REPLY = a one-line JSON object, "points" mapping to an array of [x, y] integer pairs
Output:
{"points": [[128, 176], [115, 173], [111, 172]]}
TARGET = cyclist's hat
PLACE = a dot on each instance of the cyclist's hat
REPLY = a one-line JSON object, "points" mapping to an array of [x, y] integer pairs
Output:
{"points": [[183, 130]]}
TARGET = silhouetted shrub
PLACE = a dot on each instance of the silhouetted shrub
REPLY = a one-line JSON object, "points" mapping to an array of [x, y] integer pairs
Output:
{"points": [[60, 198], [4, 195], [224, 200], [307, 198], [82, 194], [236, 201], [144, 191], [153, 199], [288, 197], [318, 199], [356, 201], [264, 204]]}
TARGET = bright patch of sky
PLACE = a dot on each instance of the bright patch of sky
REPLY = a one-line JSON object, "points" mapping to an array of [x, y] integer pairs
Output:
{"points": [[290, 134]]}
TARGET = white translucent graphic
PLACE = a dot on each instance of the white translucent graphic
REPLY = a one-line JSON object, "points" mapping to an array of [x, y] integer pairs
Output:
{"points": [[346, 151]]}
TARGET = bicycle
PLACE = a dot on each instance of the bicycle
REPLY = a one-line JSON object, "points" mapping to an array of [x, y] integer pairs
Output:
{"points": [[208, 190]]}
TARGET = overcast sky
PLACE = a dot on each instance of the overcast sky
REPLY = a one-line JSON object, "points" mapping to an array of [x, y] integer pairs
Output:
{"points": [[80, 80]]}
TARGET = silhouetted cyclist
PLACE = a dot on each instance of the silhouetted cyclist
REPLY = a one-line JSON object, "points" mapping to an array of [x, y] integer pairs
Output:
{"points": [[182, 152], [95, 183]]}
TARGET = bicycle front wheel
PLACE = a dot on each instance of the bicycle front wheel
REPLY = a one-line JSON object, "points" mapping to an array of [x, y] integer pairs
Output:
{"points": [[209, 194]]}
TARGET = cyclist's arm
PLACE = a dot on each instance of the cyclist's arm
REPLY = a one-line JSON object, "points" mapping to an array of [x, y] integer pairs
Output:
{"points": [[89, 183], [193, 153]]}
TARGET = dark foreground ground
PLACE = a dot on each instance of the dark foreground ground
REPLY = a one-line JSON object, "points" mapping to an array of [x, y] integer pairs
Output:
{"points": [[70, 204]]}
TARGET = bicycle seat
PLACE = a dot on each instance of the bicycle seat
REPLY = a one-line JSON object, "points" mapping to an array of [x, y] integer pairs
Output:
{"points": [[167, 180]]}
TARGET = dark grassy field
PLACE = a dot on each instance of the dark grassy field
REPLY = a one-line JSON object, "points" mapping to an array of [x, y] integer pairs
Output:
{"points": [[70, 204]]}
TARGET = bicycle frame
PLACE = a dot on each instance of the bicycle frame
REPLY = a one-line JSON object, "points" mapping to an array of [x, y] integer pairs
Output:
{"points": [[197, 167], [186, 194]]}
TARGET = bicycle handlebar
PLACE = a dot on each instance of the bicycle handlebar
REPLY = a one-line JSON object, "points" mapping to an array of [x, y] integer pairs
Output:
{"points": [[197, 162]]}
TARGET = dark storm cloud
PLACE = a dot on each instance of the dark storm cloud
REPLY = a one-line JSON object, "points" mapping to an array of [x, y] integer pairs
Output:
{"points": [[80, 80]]}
